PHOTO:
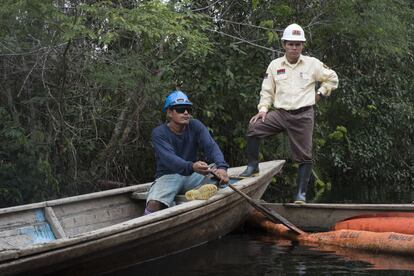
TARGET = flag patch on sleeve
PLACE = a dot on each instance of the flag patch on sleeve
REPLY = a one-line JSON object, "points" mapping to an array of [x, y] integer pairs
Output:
{"points": [[280, 71]]}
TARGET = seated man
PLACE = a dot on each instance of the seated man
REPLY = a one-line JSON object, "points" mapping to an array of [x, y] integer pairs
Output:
{"points": [[176, 144]]}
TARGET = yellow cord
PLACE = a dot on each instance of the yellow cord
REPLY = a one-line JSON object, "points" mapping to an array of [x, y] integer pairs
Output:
{"points": [[204, 192]]}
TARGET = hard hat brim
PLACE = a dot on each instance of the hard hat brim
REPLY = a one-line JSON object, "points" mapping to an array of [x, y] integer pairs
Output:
{"points": [[288, 39]]}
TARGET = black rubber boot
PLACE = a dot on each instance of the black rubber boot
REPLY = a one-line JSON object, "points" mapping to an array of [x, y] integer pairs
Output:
{"points": [[253, 144], [304, 173]]}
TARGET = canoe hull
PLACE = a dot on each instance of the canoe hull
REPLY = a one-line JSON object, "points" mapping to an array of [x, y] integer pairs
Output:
{"points": [[144, 238], [182, 234]]}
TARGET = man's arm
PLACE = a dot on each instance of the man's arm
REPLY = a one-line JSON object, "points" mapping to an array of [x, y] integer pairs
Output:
{"points": [[210, 147], [213, 152], [267, 93], [327, 77]]}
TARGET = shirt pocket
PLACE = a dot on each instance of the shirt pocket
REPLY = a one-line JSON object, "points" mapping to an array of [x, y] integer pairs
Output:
{"points": [[279, 79], [304, 80]]}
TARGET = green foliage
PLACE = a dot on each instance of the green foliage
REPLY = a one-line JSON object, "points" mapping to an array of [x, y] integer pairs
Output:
{"points": [[338, 134], [83, 82], [84, 77], [372, 102], [24, 174], [375, 27]]}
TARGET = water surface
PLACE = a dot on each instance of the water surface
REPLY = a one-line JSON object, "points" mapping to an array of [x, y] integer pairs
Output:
{"points": [[245, 254]]}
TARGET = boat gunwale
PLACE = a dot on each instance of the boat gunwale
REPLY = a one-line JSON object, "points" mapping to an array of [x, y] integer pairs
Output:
{"points": [[73, 199], [344, 206]]}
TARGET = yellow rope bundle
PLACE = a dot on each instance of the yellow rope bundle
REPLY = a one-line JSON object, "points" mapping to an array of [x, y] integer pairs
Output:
{"points": [[204, 192]]}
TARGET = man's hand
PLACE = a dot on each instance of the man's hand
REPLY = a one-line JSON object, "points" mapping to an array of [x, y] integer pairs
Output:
{"points": [[260, 114], [318, 98], [222, 174], [201, 167]]}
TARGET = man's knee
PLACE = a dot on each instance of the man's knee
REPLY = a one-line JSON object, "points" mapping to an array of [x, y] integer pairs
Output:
{"points": [[251, 129], [154, 206]]}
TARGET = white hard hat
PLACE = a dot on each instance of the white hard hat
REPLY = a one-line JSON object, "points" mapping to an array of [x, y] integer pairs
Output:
{"points": [[294, 32]]}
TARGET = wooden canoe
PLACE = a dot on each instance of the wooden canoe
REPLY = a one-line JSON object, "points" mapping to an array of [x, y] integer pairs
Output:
{"points": [[322, 217], [69, 233]]}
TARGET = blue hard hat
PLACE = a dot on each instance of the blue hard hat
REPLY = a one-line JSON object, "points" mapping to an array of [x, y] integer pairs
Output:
{"points": [[176, 97]]}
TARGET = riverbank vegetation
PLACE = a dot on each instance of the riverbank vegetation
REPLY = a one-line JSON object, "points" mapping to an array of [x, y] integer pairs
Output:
{"points": [[83, 83]]}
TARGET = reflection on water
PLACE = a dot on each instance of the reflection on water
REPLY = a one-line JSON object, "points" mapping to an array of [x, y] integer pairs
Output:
{"points": [[261, 254], [377, 261]]}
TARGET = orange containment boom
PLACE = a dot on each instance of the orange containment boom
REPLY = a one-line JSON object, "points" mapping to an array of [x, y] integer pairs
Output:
{"points": [[387, 242], [383, 222]]}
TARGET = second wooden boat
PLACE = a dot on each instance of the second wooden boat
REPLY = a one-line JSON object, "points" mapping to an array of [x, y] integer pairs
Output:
{"points": [[322, 217]]}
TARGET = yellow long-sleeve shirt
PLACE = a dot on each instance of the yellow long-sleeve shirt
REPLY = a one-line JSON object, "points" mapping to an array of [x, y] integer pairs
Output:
{"points": [[292, 86]]}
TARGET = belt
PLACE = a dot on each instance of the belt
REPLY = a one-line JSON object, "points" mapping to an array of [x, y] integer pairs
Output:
{"points": [[298, 111]]}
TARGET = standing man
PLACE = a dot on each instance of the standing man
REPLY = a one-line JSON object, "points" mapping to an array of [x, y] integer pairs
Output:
{"points": [[289, 86], [176, 144]]}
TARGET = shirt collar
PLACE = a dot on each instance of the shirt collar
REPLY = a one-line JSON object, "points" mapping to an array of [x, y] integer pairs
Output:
{"points": [[286, 62]]}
